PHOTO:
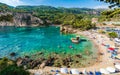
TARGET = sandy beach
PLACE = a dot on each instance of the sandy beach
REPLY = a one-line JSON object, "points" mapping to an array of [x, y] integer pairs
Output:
{"points": [[103, 61]]}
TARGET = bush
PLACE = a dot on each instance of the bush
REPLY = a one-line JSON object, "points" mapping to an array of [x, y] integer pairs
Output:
{"points": [[13, 70], [8, 67], [83, 24], [6, 18], [112, 34], [4, 62], [101, 31]]}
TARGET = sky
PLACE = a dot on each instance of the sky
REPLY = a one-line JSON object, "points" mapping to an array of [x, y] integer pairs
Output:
{"points": [[58, 3]]}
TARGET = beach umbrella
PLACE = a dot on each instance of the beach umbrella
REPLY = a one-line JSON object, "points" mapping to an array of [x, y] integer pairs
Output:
{"points": [[117, 66], [57, 74], [117, 40], [57, 71], [110, 69], [91, 73], [64, 70], [74, 71], [37, 73], [111, 49], [104, 71], [98, 73]]}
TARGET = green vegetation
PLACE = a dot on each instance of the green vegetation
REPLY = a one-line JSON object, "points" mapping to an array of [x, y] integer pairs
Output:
{"points": [[13, 70], [5, 7], [6, 18], [101, 32], [110, 15], [4, 62], [64, 16], [8, 67], [77, 17], [83, 24], [112, 34]]}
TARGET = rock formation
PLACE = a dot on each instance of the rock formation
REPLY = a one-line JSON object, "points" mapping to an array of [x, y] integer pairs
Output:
{"points": [[67, 29], [22, 19]]}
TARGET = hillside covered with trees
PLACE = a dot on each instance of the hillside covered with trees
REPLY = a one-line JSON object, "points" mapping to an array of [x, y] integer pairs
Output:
{"points": [[77, 17], [110, 15]]}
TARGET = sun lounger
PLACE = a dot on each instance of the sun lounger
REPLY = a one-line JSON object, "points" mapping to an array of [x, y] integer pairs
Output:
{"points": [[110, 69], [104, 71], [91, 73], [98, 73], [57, 74], [64, 70], [117, 66], [57, 71], [75, 71], [37, 73]]}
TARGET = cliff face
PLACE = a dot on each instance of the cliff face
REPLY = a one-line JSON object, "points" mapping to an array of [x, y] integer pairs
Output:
{"points": [[21, 19]]}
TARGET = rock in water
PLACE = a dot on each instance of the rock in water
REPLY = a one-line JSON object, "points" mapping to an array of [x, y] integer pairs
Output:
{"points": [[13, 54], [79, 55]]}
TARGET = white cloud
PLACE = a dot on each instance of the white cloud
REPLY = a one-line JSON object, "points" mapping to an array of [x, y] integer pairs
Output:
{"points": [[101, 6], [13, 2]]}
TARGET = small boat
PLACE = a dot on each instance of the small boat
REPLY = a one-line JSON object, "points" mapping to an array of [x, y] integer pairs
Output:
{"points": [[75, 40]]}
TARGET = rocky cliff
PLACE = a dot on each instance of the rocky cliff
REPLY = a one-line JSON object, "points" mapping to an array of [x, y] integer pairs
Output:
{"points": [[19, 19]]}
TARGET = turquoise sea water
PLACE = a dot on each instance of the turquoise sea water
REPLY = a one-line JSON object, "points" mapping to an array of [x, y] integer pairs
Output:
{"points": [[31, 40]]}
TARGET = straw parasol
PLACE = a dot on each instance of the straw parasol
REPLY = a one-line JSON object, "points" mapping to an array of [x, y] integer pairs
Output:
{"points": [[102, 70], [64, 70], [74, 71], [117, 66], [110, 69]]}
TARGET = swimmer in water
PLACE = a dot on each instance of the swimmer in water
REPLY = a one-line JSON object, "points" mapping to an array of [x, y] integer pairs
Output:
{"points": [[70, 46]]}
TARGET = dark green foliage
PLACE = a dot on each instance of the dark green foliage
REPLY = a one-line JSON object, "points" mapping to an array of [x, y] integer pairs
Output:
{"points": [[13, 70], [112, 34], [5, 62], [8, 67], [49, 9], [6, 18], [77, 17], [110, 14], [5, 7], [83, 24]]}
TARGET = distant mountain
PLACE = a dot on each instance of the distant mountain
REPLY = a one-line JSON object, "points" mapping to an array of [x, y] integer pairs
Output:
{"points": [[43, 8], [5, 7], [60, 9], [43, 15]]}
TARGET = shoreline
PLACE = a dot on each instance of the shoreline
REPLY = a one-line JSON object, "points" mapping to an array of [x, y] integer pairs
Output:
{"points": [[78, 59], [103, 61]]}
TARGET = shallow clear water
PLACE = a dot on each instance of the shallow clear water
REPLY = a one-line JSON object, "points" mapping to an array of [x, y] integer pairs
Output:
{"points": [[30, 40]]}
